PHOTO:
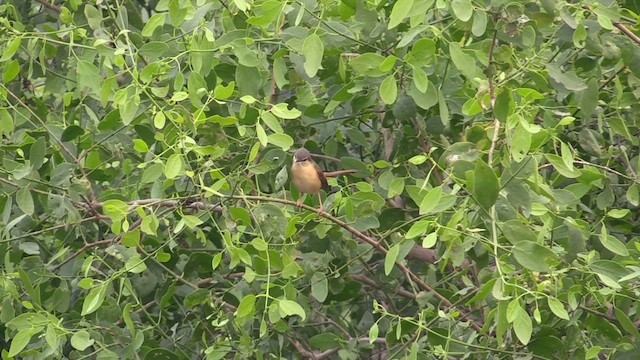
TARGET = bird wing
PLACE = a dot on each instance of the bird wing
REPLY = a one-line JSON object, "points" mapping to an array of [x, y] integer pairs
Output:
{"points": [[323, 179]]}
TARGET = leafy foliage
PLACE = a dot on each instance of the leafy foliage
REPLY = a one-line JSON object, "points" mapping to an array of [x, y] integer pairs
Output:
{"points": [[492, 210]]}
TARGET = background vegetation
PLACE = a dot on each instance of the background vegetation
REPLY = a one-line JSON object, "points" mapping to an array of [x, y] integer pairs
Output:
{"points": [[146, 211]]}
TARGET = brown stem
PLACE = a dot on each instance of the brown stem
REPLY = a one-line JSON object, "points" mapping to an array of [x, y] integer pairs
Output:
{"points": [[49, 5]]}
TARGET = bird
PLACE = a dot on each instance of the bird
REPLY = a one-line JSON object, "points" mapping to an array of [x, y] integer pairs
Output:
{"points": [[307, 176]]}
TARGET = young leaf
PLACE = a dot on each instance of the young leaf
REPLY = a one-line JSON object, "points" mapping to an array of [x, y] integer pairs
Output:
{"points": [[399, 12], [247, 305], [173, 167], [390, 259], [81, 340], [420, 79], [312, 49], [20, 341], [389, 90], [557, 308], [94, 300], [523, 326], [288, 308]]}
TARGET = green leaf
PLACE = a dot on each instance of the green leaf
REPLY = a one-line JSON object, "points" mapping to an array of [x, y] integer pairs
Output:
{"points": [[271, 121], [283, 141], [135, 264], [504, 105], [324, 341], [71, 133], [373, 333], [557, 308], [115, 209], [288, 308], [430, 200], [463, 62], [88, 76], [568, 78], [94, 300], [389, 90], [580, 36], [388, 63], [567, 156], [154, 21], [151, 173], [173, 167], [25, 201], [633, 195], [11, 70], [20, 341], [559, 165], [191, 221], [479, 26], [627, 324], [619, 126], [223, 92], [262, 135], [520, 143], [399, 12], [423, 53], [319, 286], [368, 64], [313, 50], [424, 100], [612, 243], [485, 185], [532, 256], [10, 49], [430, 240], [618, 213], [593, 352], [462, 9], [444, 109], [523, 326], [81, 340], [180, 95], [126, 316], [390, 258], [247, 305], [420, 79], [37, 153], [282, 111], [131, 238], [93, 15], [418, 229], [140, 146]]}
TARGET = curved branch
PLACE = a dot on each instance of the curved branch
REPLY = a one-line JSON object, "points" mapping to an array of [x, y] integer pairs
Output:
{"points": [[375, 244]]}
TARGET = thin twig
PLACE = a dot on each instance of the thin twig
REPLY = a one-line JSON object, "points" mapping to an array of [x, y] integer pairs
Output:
{"points": [[492, 100], [49, 5], [376, 245]]}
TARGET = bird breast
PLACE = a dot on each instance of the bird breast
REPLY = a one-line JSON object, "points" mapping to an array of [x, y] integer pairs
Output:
{"points": [[305, 177]]}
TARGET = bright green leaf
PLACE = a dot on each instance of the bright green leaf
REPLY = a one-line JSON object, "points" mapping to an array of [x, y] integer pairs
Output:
{"points": [[389, 90], [81, 340], [390, 258], [399, 12], [313, 50]]}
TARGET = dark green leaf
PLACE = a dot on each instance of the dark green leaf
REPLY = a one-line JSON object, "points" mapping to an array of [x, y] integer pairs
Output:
{"points": [[72, 132], [533, 256], [486, 185]]}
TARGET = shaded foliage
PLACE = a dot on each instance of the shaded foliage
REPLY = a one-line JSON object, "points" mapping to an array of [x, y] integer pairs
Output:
{"points": [[145, 204]]}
